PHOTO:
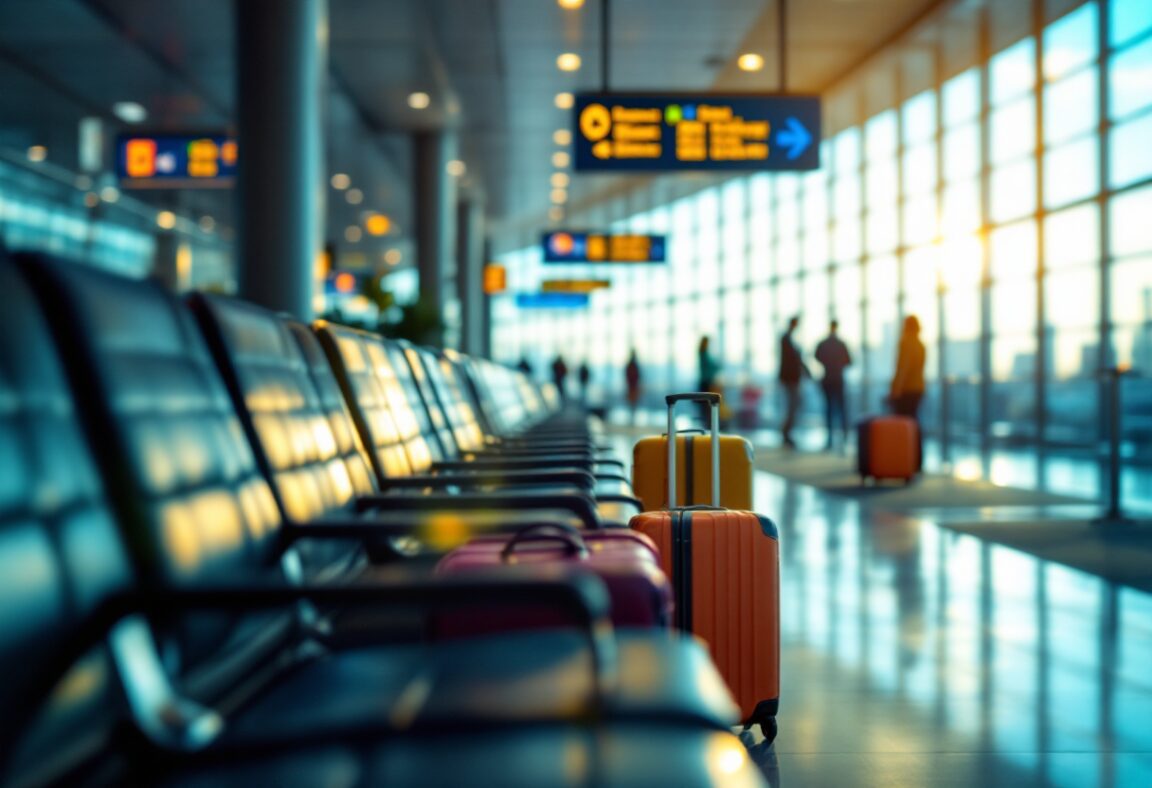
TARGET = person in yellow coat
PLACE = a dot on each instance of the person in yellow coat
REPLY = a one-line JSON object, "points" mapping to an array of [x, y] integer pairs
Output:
{"points": [[907, 387]]}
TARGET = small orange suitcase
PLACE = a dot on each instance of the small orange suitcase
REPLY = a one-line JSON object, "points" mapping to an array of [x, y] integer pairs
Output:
{"points": [[888, 447], [725, 572]]}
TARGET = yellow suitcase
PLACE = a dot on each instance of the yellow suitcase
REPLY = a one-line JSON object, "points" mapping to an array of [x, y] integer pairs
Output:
{"points": [[693, 471]]}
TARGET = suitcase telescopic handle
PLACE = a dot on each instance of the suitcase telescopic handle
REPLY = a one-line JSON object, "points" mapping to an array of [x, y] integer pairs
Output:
{"points": [[713, 401], [566, 534]]}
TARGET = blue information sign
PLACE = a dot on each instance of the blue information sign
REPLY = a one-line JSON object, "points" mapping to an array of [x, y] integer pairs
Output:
{"points": [[673, 133], [551, 300], [175, 160], [567, 246]]}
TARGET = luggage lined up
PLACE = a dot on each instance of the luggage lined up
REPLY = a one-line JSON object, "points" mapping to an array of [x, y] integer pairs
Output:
{"points": [[190, 517]]}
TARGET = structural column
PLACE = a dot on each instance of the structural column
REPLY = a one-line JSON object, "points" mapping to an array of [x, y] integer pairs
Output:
{"points": [[434, 200], [469, 275], [282, 52]]}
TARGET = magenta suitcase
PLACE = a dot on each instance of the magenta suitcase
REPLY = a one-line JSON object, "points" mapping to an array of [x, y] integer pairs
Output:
{"points": [[640, 593]]}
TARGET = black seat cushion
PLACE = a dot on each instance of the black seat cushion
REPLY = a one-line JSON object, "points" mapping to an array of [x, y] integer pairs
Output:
{"points": [[178, 469], [59, 553]]}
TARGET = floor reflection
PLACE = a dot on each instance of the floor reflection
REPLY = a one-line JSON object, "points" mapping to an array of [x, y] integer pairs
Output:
{"points": [[913, 655]]}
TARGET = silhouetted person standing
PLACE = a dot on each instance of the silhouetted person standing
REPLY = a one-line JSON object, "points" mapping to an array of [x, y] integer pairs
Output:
{"points": [[709, 370], [833, 355], [584, 375], [559, 374], [524, 366], [908, 383], [792, 372], [632, 381]]}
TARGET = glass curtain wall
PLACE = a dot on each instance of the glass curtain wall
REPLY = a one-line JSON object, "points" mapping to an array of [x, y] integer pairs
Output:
{"points": [[992, 174]]}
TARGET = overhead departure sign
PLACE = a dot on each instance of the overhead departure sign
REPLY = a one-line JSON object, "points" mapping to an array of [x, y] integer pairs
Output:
{"points": [[566, 246], [551, 300], [699, 132], [574, 285], [176, 161]]}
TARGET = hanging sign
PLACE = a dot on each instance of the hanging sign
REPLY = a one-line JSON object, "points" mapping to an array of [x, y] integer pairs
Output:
{"points": [[675, 133]]}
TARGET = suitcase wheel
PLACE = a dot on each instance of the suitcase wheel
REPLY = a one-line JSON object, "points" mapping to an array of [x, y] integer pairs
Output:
{"points": [[769, 728]]}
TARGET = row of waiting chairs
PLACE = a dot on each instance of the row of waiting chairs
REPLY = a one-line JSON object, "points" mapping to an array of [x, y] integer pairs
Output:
{"points": [[217, 526]]}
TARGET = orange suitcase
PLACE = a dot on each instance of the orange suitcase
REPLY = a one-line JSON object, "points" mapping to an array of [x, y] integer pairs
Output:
{"points": [[725, 571], [888, 447]]}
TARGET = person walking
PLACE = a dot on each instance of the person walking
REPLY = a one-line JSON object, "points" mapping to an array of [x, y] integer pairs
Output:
{"points": [[907, 387], [792, 372], [584, 375], [709, 371], [833, 355], [632, 381], [559, 373]]}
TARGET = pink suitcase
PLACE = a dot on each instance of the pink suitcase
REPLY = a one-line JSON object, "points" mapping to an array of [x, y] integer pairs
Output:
{"points": [[640, 593]]}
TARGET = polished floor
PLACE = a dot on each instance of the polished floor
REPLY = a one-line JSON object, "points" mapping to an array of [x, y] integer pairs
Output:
{"points": [[916, 656], [913, 655]]}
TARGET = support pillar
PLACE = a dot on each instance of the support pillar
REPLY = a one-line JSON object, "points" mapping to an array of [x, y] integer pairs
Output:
{"points": [[282, 52], [435, 199], [470, 275]]}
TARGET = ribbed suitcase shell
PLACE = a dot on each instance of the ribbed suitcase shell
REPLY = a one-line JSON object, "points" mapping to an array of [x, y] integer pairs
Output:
{"points": [[694, 458], [888, 447], [733, 598]]}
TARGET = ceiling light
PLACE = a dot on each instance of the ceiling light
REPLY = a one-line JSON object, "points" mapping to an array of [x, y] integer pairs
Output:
{"points": [[560, 180], [556, 213], [352, 234], [109, 194], [91, 199], [207, 223], [419, 100], [750, 61], [130, 111], [569, 61], [564, 101], [570, 4], [559, 196], [393, 257], [456, 168], [340, 181], [354, 196], [562, 137], [166, 220], [37, 153], [377, 224], [559, 159]]}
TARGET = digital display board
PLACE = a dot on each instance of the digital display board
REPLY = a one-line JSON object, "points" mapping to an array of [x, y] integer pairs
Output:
{"points": [[567, 246], [670, 133], [165, 161], [551, 300], [574, 285], [495, 279]]}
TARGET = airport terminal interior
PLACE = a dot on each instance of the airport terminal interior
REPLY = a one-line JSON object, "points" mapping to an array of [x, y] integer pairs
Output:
{"points": [[335, 343]]}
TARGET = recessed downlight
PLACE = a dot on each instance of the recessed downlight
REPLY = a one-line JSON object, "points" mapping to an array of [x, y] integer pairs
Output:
{"points": [[560, 180], [562, 137], [166, 220], [564, 100], [560, 159], [340, 181], [130, 111], [419, 100], [354, 196], [569, 61], [750, 61]]}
